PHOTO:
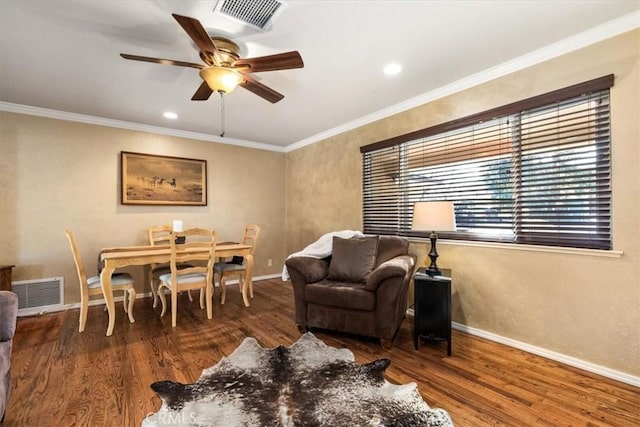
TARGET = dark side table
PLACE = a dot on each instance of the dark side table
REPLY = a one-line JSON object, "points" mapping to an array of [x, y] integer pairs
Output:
{"points": [[5, 277], [432, 307]]}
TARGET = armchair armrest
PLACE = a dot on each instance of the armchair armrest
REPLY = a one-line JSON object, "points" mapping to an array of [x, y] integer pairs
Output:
{"points": [[391, 287], [304, 270], [8, 312], [399, 266], [310, 269]]}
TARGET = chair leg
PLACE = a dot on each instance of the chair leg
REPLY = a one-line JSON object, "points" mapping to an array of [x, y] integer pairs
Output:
{"points": [[163, 299], [250, 285], [223, 289], [84, 306], [202, 296], [154, 290], [189, 294], [241, 286], [132, 298], [124, 300], [174, 307], [209, 295]]}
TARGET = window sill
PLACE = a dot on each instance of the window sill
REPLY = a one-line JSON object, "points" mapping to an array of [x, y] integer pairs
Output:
{"points": [[529, 248]]}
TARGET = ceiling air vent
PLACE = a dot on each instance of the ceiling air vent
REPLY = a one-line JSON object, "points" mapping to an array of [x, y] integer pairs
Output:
{"points": [[257, 13]]}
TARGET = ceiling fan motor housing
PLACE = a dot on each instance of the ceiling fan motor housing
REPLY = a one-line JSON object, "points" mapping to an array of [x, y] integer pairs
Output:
{"points": [[229, 51]]}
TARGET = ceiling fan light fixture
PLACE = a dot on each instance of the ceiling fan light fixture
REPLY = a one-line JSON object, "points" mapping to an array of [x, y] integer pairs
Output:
{"points": [[221, 79]]}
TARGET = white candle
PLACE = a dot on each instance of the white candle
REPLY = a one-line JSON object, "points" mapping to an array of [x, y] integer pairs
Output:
{"points": [[177, 225]]}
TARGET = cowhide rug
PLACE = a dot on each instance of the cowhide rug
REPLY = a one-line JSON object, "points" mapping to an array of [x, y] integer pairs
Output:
{"points": [[307, 384]]}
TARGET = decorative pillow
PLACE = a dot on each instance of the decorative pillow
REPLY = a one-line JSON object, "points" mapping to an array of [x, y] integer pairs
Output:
{"points": [[352, 260]]}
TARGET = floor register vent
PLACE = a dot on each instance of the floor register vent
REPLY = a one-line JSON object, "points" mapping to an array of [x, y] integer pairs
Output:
{"points": [[39, 296]]}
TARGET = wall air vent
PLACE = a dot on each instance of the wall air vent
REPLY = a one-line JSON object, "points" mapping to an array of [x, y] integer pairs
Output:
{"points": [[39, 296], [256, 13]]}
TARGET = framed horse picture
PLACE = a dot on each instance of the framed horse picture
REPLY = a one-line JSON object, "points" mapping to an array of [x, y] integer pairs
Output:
{"points": [[148, 179]]}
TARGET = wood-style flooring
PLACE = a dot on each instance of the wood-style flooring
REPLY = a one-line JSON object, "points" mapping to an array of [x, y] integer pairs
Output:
{"points": [[63, 378]]}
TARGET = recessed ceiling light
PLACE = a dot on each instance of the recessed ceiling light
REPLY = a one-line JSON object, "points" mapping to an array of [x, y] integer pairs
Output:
{"points": [[170, 115], [392, 69]]}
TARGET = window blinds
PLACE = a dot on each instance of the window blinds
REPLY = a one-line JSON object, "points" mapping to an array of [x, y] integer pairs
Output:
{"points": [[533, 172]]}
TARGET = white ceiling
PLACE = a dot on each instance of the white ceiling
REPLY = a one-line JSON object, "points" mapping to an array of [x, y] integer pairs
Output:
{"points": [[63, 56]]}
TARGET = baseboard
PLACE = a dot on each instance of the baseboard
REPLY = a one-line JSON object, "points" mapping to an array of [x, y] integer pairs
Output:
{"points": [[549, 354], [101, 301], [267, 277], [256, 279], [95, 302]]}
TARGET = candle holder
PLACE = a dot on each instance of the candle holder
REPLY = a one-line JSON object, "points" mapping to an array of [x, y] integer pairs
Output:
{"points": [[177, 227]]}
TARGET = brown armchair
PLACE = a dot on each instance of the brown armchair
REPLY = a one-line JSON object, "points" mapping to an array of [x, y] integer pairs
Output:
{"points": [[361, 289]]}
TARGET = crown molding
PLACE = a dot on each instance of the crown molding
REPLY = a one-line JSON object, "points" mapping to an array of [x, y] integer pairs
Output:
{"points": [[602, 32], [594, 35], [101, 121]]}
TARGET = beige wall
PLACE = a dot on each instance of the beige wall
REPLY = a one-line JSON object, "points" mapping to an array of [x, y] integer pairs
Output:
{"points": [[59, 174], [583, 306]]}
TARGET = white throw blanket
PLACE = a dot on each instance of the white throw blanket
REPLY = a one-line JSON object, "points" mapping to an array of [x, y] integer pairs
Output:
{"points": [[321, 248]]}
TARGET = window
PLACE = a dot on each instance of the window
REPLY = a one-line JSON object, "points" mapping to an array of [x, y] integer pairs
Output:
{"points": [[533, 172]]}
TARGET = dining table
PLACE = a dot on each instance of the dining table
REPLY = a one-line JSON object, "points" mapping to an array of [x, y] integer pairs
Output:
{"points": [[118, 257]]}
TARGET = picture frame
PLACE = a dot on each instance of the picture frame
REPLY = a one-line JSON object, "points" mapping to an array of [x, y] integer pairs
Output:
{"points": [[150, 179]]}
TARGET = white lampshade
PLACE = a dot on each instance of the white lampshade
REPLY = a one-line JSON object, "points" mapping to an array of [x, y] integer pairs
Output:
{"points": [[433, 216], [221, 79], [177, 225]]}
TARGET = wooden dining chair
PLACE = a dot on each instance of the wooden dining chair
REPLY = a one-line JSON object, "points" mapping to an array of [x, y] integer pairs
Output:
{"points": [[200, 245], [160, 235], [237, 267], [92, 286]]}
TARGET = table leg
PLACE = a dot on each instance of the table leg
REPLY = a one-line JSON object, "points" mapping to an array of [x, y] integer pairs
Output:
{"points": [[105, 281], [247, 279]]}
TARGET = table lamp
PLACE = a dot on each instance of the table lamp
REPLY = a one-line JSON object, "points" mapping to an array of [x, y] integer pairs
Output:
{"points": [[433, 216]]}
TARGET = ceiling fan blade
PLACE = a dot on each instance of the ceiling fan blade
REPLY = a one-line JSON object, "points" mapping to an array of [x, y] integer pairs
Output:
{"points": [[161, 61], [198, 34], [203, 93], [261, 90], [280, 61]]}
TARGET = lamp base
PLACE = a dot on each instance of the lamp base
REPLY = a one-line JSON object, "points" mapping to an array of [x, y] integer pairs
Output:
{"points": [[433, 269]]}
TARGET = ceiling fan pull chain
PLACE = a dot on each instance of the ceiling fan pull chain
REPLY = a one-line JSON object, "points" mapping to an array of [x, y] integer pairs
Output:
{"points": [[221, 114]]}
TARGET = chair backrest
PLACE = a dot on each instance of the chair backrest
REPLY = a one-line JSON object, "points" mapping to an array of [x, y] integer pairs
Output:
{"points": [[250, 237], [199, 245], [390, 247], [160, 235], [77, 259]]}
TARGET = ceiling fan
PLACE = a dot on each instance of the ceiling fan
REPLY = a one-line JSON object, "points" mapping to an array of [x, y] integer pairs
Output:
{"points": [[224, 69]]}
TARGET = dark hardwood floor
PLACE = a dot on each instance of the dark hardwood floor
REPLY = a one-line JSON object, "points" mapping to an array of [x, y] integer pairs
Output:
{"points": [[63, 378]]}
